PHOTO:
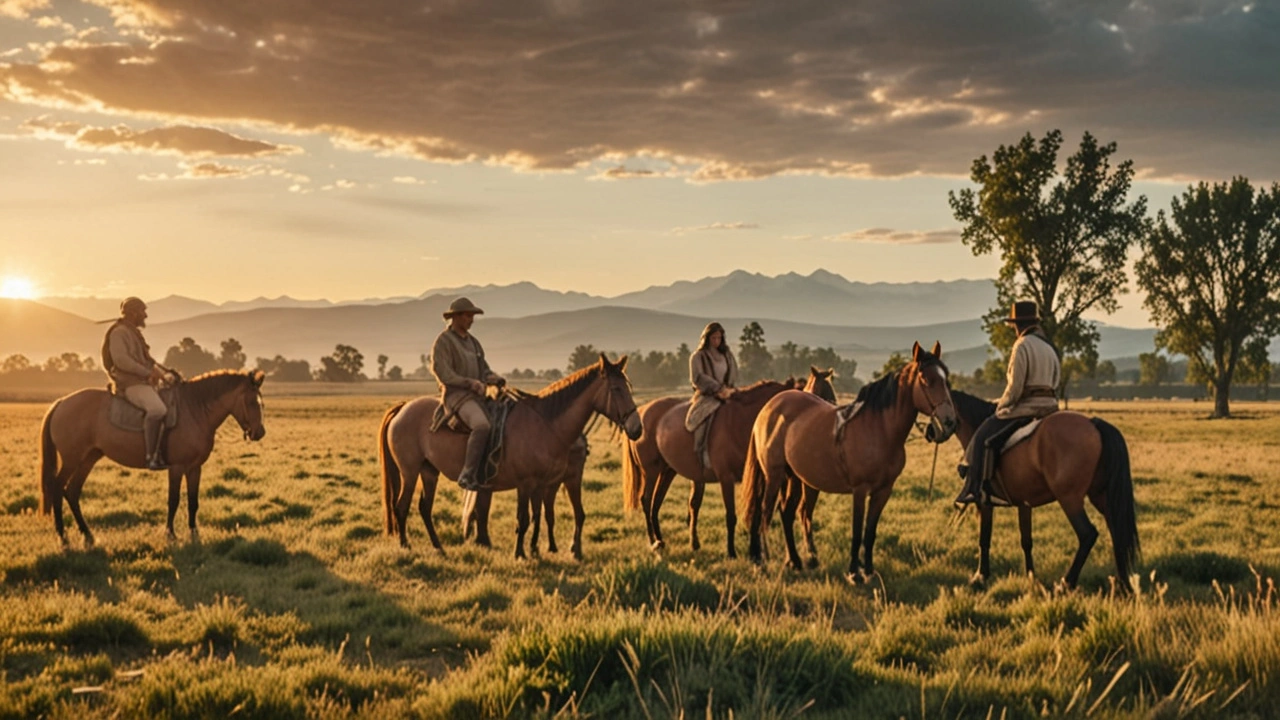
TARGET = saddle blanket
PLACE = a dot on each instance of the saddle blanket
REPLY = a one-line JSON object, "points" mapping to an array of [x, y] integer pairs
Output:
{"points": [[127, 416], [1021, 434]]}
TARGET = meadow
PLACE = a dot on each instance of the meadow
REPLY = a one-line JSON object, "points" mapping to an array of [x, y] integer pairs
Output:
{"points": [[294, 604]]}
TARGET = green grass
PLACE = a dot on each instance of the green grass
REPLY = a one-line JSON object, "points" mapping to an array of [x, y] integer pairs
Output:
{"points": [[294, 604]]}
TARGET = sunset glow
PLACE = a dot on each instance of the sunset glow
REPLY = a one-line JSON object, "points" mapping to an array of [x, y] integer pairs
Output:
{"points": [[18, 288]]}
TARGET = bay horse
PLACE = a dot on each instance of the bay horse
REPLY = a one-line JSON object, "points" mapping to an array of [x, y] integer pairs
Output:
{"points": [[793, 440], [77, 430], [818, 383], [476, 505], [1068, 458], [540, 429], [665, 449]]}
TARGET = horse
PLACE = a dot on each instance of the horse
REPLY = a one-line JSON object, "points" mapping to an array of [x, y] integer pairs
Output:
{"points": [[540, 429], [476, 505], [666, 449], [818, 383], [792, 440], [1068, 458], [77, 430]]}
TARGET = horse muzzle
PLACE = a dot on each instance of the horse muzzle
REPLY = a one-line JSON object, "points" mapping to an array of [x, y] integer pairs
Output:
{"points": [[939, 431], [255, 434], [633, 427]]}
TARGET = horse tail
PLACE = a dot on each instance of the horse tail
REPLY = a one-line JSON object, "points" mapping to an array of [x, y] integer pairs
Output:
{"points": [[48, 463], [753, 485], [390, 470], [632, 476], [1121, 519]]}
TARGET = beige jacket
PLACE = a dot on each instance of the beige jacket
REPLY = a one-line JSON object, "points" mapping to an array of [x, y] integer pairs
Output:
{"points": [[1032, 383], [126, 356], [456, 360], [702, 376]]}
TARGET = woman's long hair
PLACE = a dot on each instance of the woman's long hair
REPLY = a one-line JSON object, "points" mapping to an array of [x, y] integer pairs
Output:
{"points": [[707, 332]]}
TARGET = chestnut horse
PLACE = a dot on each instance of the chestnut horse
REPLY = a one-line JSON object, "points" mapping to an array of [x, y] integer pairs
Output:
{"points": [[476, 505], [540, 429], [78, 430], [1068, 458], [665, 450], [819, 383], [792, 440]]}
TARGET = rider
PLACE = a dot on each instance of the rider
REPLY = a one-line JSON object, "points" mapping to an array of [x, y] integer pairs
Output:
{"points": [[458, 364], [1030, 392], [127, 359], [713, 372]]}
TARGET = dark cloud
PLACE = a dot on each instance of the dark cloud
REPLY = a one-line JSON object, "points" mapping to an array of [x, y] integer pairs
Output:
{"points": [[719, 90], [183, 140]]}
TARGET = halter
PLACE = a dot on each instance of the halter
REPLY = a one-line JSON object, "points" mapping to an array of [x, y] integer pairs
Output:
{"points": [[933, 407], [608, 406], [244, 404]]}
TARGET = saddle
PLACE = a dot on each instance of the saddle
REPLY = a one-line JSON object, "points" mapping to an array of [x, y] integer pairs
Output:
{"points": [[1020, 433], [447, 420], [128, 417], [844, 414], [997, 445]]}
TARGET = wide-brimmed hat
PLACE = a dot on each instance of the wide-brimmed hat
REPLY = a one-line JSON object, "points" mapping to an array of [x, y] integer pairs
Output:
{"points": [[460, 306], [1024, 311], [132, 304]]}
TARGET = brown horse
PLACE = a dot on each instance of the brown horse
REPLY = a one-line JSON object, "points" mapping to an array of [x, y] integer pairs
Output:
{"points": [[476, 505], [792, 440], [1070, 457], [540, 429], [666, 450], [76, 429], [819, 383]]}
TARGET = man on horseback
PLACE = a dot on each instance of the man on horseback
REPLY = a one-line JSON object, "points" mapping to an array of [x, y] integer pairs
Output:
{"points": [[458, 364], [1030, 392], [127, 359], [713, 372]]}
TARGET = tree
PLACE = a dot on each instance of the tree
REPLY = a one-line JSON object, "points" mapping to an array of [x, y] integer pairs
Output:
{"points": [[281, 369], [1106, 371], [1153, 369], [1211, 271], [382, 367], [188, 358], [232, 357], [551, 374], [395, 374], [343, 365], [583, 356], [754, 360], [15, 363], [1063, 246], [896, 362]]}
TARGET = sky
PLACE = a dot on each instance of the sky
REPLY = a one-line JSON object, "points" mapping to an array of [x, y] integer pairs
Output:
{"points": [[239, 148]]}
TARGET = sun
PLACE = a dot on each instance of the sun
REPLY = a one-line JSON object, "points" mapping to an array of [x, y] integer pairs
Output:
{"points": [[18, 288]]}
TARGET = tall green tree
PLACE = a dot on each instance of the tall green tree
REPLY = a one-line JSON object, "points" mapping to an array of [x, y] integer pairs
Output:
{"points": [[754, 359], [344, 365], [188, 358], [1153, 369], [583, 356], [1211, 271], [232, 356], [1063, 239], [382, 367]]}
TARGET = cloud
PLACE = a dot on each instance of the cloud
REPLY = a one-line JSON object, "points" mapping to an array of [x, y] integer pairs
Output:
{"points": [[735, 91], [714, 226], [897, 237], [219, 171], [408, 180], [180, 140]]}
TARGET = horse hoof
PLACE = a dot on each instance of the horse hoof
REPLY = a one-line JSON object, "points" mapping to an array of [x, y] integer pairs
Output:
{"points": [[978, 581], [812, 563], [88, 542], [794, 565], [577, 554], [658, 546], [694, 545], [552, 549], [854, 577]]}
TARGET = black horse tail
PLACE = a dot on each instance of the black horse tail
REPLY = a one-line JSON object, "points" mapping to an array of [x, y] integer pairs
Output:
{"points": [[50, 493], [390, 470], [1122, 522]]}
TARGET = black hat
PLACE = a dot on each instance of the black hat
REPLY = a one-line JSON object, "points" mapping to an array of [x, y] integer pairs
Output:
{"points": [[1024, 311], [132, 304]]}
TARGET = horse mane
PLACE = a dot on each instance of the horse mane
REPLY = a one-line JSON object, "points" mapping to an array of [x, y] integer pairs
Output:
{"points": [[880, 394], [552, 400], [752, 392], [204, 389], [971, 408]]}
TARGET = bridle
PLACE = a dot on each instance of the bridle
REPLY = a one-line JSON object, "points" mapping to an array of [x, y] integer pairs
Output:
{"points": [[244, 406], [608, 406], [933, 407]]}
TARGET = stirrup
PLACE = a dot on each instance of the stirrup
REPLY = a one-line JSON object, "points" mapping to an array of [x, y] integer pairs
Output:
{"points": [[471, 483], [157, 463]]}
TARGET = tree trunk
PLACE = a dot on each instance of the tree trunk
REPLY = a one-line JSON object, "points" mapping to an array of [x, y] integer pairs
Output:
{"points": [[1221, 398]]}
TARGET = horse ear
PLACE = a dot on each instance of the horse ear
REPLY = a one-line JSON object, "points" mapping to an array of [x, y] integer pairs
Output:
{"points": [[258, 376], [604, 360], [830, 372], [937, 349], [915, 351], [622, 363], [813, 369]]}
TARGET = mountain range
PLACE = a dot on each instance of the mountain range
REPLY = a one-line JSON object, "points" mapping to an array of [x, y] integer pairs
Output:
{"points": [[527, 326]]}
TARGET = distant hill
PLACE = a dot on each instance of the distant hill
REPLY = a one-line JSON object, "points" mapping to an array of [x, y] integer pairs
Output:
{"points": [[38, 331]]}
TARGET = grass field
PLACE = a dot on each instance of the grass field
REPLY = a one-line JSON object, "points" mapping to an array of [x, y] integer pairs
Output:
{"points": [[294, 604]]}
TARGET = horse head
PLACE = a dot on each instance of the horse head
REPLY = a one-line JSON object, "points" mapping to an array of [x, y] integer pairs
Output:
{"points": [[613, 399], [931, 392], [248, 410], [819, 383]]}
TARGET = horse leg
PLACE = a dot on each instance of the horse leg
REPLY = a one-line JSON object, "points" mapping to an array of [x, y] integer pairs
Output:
{"points": [[549, 511], [535, 516], [1086, 534], [193, 500], [730, 512], [579, 517], [74, 485], [695, 505], [1024, 529], [476, 507], [655, 507], [790, 505], [874, 508], [405, 499], [522, 520], [985, 521], [175, 495], [859, 507], [430, 476], [809, 502]]}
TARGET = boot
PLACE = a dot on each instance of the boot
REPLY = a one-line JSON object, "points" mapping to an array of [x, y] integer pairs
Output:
{"points": [[152, 433], [969, 494], [468, 479]]}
